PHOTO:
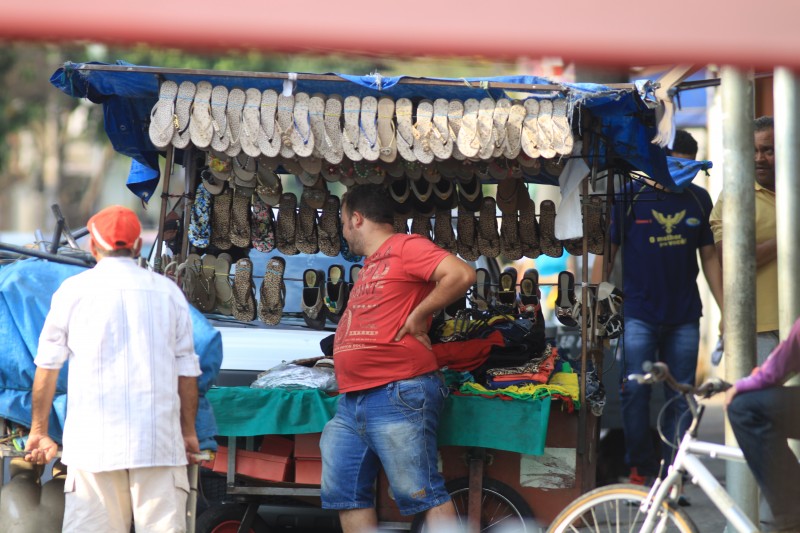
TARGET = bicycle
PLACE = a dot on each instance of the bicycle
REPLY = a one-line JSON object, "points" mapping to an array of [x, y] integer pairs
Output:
{"points": [[626, 507]]}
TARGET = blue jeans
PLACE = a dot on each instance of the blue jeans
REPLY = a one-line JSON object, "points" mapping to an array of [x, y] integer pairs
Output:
{"points": [[393, 426], [677, 347]]}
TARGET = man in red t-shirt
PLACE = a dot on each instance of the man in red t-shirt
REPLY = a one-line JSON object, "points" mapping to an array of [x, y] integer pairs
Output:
{"points": [[388, 414]]}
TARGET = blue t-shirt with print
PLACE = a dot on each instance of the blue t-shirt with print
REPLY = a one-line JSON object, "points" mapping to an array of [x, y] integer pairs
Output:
{"points": [[659, 233]]}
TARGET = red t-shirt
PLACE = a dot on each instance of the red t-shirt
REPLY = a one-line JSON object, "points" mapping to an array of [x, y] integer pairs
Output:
{"points": [[394, 280]]}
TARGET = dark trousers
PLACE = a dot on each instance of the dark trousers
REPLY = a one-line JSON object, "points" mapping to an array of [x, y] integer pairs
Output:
{"points": [[762, 421]]}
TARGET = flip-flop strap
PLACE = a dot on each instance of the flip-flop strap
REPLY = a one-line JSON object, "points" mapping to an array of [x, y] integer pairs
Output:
{"points": [[364, 132], [308, 135]]}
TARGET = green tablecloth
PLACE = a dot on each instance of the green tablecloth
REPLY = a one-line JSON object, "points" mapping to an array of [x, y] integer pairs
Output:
{"points": [[517, 426]]}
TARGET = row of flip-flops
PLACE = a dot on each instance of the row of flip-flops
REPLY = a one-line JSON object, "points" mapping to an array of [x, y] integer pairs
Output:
{"points": [[603, 310], [332, 128], [240, 218], [206, 282], [517, 235], [261, 172]]}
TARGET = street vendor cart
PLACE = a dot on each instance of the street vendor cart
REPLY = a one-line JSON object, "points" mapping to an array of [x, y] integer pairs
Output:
{"points": [[522, 457]]}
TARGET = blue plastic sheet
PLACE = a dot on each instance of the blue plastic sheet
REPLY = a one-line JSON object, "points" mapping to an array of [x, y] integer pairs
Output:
{"points": [[626, 124], [26, 288]]}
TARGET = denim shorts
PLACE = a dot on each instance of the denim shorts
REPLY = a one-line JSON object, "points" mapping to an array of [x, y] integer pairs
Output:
{"points": [[393, 426]]}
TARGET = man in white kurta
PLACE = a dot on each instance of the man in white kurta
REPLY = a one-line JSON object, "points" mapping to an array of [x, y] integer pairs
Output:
{"points": [[132, 388]]}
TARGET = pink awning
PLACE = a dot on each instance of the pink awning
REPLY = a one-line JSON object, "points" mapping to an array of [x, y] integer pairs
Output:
{"points": [[622, 32]]}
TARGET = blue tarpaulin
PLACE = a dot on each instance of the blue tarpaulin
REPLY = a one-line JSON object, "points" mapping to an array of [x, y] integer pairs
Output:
{"points": [[26, 288], [624, 124]]}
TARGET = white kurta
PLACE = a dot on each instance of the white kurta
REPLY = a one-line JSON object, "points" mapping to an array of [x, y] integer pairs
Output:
{"points": [[127, 334]]}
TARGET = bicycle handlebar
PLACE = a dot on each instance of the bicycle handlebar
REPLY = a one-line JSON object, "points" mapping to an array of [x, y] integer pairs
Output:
{"points": [[659, 372]]}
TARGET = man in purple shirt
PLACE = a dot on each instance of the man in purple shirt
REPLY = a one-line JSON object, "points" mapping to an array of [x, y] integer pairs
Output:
{"points": [[763, 414]]}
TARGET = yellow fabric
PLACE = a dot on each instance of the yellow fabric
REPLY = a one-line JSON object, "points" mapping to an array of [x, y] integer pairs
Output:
{"points": [[766, 275], [564, 383]]}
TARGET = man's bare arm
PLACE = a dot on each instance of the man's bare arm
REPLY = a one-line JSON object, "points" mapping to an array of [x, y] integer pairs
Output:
{"points": [[41, 447], [712, 269], [187, 391]]}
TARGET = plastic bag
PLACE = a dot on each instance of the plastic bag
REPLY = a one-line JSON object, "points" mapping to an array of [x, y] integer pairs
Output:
{"points": [[291, 376]]}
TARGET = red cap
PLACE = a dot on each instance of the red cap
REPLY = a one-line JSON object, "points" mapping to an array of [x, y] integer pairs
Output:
{"points": [[115, 228]]}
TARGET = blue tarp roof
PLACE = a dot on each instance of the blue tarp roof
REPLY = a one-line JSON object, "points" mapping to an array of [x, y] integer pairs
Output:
{"points": [[26, 288], [626, 125]]}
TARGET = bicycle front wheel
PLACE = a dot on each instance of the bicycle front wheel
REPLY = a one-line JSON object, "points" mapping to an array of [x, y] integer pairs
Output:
{"points": [[617, 508]]}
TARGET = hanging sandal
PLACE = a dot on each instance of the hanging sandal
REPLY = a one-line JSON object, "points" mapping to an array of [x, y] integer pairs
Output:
{"points": [[221, 220], [200, 127], [510, 244], [486, 129], [545, 122], [306, 239], [162, 117], [328, 227], [455, 113], [205, 295], [440, 141], [222, 285], [285, 227], [313, 301], [500, 116], [183, 107], [333, 130], [443, 235], [351, 134], [302, 138], [285, 124], [566, 299], [219, 102], [336, 293], [240, 217], [368, 126], [529, 139], [467, 228], [233, 115], [251, 123], [548, 243], [488, 236], [262, 226], [529, 228], [422, 132], [316, 114], [387, 142], [512, 145], [269, 139], [244, 298], [530, 295], [273, 292], [405, 133], [468, 142]]}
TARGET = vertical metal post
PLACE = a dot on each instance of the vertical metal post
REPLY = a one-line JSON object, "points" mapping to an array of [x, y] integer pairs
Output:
{"points": [[157, 266], [787, 200], [738, 257], [787, 195]]}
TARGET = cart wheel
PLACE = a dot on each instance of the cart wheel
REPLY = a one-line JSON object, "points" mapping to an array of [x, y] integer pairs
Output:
{"points": [[502, 507], [226, 518]]}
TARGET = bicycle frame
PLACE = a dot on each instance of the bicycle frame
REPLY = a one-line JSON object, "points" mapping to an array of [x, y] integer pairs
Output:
{"points": [[687, 461]]}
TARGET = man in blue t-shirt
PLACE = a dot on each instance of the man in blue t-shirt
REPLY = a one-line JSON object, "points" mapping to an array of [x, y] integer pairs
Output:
{"points": [[660, 232]]}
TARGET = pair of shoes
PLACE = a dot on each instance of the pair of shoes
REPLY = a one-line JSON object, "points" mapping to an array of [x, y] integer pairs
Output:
{"points": [[326, 300], [635, 478]]}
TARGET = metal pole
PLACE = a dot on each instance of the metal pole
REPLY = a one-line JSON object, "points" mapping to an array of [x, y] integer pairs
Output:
{"points": [[787, 195], [738, 258], [787, 201]]}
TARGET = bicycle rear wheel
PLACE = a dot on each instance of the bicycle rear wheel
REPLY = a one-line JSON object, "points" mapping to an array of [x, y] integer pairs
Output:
{"points": [[616, 508]]}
